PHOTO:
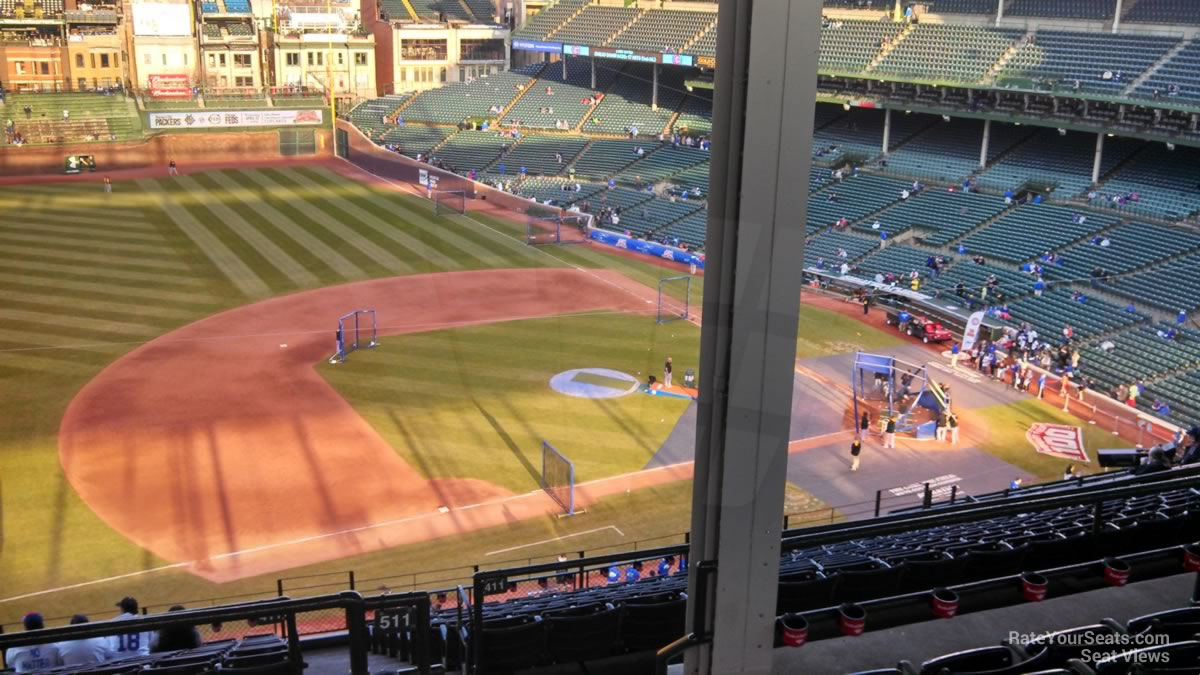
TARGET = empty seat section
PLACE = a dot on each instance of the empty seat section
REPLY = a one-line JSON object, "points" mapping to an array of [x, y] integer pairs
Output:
{"points": [[468, 150], [1179, 71], [1063, 9], [824, 247], [853, 198], [1129, 247], [848, 46], [595, 25], [1049, 158], [1055, 309], [1064, 57], [606, 157], [663, 30], [1165, 182], [662, 164], [627, 103], [1164, 11], [948, 52], [551, 98], [1028, 231], [537, 154], [458, 101], [547, 20], [414, 139]]}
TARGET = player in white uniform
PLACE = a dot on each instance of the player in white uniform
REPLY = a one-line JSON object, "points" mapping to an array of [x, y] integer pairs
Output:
{"points": [[129, 644], [83, 652], [34, 658]]}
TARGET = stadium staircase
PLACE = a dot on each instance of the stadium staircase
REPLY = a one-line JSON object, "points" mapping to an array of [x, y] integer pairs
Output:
{"points": [[887, 49], [517, 99], [467, 11], [566, 21], [1013, 50], [1150, 72], [699, 36], [624, 28], [412, 11], [588, 115]]}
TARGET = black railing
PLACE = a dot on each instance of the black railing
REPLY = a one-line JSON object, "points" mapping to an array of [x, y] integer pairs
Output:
{"points": [[283, 616]]}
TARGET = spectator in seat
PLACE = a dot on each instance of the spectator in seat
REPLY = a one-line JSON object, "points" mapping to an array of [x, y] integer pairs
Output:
{"points": [[1161, 408], [129, 644], [176, 637], [34, 658], [1181, 317], [83, 652], [1154, 462]]}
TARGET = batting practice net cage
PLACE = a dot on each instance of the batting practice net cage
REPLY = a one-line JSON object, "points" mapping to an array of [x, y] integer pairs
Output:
{"points": [[674, 299], [558, 478], [446, 202], [356, 330], [887, 388], [541, 229]]}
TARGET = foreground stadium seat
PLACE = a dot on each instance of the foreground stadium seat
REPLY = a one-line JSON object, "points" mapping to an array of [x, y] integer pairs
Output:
{"points": [[800, 593], [581, 637], [512, 647], [990, 660], [855, 585], [1054, 649], [1175, 658], [652, 625], [1179, 624]]}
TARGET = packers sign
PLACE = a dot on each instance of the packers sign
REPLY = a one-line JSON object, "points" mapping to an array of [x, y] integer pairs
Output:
{"points": [[1058, 440]]}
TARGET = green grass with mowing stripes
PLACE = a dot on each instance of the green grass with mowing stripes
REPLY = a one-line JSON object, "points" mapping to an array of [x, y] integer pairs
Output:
{"points": [[1007, 425], [86, 277], [476, 401]]}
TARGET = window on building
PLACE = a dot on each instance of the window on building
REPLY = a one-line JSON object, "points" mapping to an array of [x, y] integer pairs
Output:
{"points": [[481, 49], [244, 81], [241, 60], [311, 59], [423, 50], [79, 60], [185, 60], [462, 74], [146, 58], [360, 58], [82, 83], [93, 60], [45, 67], [320, 58], [404, 74], [293, 58], [104, 60], [164, 58], [221, 59], [443, 74], [20, 66], [212, 60], [341, 58]]}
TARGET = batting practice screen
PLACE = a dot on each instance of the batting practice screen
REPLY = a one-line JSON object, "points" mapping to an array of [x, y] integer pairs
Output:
{"points": [[674, 299], [356, 330], [449, 201], [558, 477], [541, 230]]}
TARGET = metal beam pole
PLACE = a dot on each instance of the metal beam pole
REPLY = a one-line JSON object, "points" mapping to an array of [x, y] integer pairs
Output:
{"points": [[887, 130], [593, 73], [999, 11], [1099, 158], [1117, 17], [654, 92], [987, 140], [763, 117], [564, 62]]}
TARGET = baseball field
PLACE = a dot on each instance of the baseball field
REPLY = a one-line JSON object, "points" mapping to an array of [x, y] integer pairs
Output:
{"points": [[174, 430]]}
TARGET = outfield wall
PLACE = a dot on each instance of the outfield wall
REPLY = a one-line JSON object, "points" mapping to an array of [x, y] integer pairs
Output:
{"points": [[231, 147]]}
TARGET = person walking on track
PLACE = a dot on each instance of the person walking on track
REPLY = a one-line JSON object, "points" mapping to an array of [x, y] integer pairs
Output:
{"points": [[952, 424], [889, 433], [172, 170], [864, 425], [855, 449], [668, 368], [107, 185]]}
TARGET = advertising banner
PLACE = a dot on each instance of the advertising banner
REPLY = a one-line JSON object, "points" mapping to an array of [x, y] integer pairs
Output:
{"points": [[971, 335], [678, 59], [161, 19], [536, 46], [706, 61], [199, 119], [626, 55], [576, 50], [170, 85], [647, 248], [1058, 440]]}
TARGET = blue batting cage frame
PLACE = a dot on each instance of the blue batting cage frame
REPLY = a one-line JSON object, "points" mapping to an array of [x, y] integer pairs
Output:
{"points": [[670, 309], [558, 477], [350, 333], [882, 389]]}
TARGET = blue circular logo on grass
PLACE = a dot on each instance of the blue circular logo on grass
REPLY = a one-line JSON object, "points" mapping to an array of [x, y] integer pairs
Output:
{"points": [[594, 383]]}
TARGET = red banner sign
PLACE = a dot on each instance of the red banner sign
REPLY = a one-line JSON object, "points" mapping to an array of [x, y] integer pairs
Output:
{"points": [[1058, 440], [170, 86]]}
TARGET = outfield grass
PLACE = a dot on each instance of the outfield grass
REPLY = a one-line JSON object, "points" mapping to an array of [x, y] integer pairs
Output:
{"points": [[823, 332], [476, 402], [1007, 425]]}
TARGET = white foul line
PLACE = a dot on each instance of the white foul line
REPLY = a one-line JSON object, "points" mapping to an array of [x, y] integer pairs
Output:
{"points": [[95, 581], [551, 541]]}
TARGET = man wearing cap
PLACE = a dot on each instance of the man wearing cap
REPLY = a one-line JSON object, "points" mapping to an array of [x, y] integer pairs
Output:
{"points": [[83, 652], [129, 644], [35, 657]]}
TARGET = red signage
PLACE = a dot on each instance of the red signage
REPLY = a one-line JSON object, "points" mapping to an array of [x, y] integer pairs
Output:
{"points": [[1058, 440], [170, 86]]}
